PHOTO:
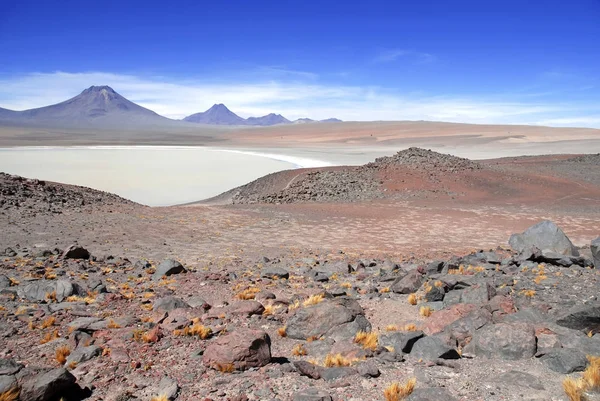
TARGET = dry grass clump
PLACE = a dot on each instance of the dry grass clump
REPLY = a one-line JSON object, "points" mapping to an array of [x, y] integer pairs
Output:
{"points": [[398, 392], [248, 293], [392, 327], [314, 300], [270, 310], [161, 397], [384, 290], [438, 284], [282, 331], [49, 336], [425, 311], [575, 388], [48, 322], [62, 354], [346, 285], [412, 299], [13, 282], [10, 395], [528, 293], [410, 327], [225, 367], [113, 325], [196, 329], [336, 360], [367, 340], [294, 305], [299, 350], [51, 296]]}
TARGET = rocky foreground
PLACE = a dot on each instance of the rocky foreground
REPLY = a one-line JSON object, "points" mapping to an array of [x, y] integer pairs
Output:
{"points": [[518, 323]]}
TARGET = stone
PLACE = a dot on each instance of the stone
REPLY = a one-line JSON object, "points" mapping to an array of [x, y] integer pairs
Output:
{"points": [[243, 348], [308, 369], [460, 331], [7, 383], [4, 281], [595, 248], [431, 394], [478, 294], [311, 394], [520, 379], [432, 348], [76, 252], [509, 341], [435, 294], [339, 317], [401, 341], [168, 267], [246, 308], [407, 284], [85, 324], [9, 367], [544, 235], [585, 318], [565, 360], [368, 369], [438, 320], [168, 304], [42, 290], [168, 388], [83, 354], [50, 385], [330, 374], [275, 273]]}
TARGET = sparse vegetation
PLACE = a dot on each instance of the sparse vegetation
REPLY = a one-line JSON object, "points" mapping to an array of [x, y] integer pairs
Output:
{"points": [[398, 392], [225, 367], [49, 336], [48, 322], [367, 340], [62, 353], [248, 293], [392, 327], [195, 329], [299, 350], [282, 331], [425, 311], [336, 360], [313, 300], [412, 299], [10, 395]]}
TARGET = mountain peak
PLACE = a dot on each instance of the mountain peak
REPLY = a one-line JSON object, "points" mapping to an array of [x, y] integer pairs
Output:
{"points": [[99, 89]]}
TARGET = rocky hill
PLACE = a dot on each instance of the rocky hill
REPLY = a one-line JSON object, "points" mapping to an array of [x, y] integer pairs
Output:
{"points": [[21, 196]]}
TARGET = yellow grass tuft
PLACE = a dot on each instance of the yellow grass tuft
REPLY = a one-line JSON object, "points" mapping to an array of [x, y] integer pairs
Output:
{"points": [[346, 285], [438, 284], [270, 310], [528, 293], [336, 360], [248, 293], [313, 300], [398, 392], [299, 350], [294, 306], [425, 311], [49, 336], [591, 375], [48, 322], [51, 296], [412, 299], [384, 290], [367, 340], [13, 282], [225, 367], [574, 389], [113, 325], [282, 331], [392, 327], [161, 397], [410, 327], [62, 353], [539, 279], [30, 325], [10, 395]]}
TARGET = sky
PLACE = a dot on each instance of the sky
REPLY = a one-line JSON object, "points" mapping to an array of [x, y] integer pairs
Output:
{"points": [[517, 62]]}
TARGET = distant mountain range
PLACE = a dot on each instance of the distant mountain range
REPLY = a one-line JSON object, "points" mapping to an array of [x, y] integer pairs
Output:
{"points": [[102, 107], [219, 114]]}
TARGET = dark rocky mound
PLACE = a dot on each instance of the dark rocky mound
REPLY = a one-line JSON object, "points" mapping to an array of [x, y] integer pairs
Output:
{"points": [[591, 159], [424, 159], [31, 196]]}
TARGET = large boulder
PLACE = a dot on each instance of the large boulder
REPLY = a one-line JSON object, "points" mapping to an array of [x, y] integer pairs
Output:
{"points": [[565, 360], [432, 348], [544, 235], [339, 318], [585, 318], [76, 252], [48, 386], [46, 290], [505, 341], [401, 341], [169, 303], [241, 349], [275, 273], [407, 284], [168, 267], [595, 247]]}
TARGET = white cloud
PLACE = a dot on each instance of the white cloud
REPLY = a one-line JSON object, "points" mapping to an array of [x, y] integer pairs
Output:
{"points": [[388, 56], [293, 99]]}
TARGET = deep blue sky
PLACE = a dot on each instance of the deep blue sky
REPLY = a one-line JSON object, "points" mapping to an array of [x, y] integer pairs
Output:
{"points": [[543, 56]]}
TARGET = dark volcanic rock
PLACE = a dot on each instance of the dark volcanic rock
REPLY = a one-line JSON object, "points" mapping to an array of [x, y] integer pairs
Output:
{"points": [[167, 268], [505, 341], [47, 386], [168, 304], [44, 290], [243, 348], [595, 247], [407, 284], [275, 273], [341, 318], [585, 318], [311, 394], [401, 341], [565, 360], [545, 236], [76, 252], [430, 394], [432, 348]]}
